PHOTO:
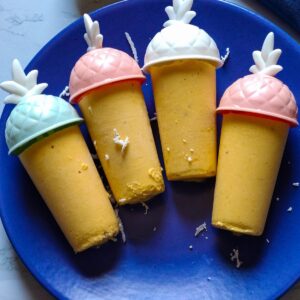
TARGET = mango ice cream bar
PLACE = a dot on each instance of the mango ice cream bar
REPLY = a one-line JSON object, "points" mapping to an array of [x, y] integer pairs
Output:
{"points": [[257, 113], [191, 153], [182, 60], [52, 150], [106, 83]]}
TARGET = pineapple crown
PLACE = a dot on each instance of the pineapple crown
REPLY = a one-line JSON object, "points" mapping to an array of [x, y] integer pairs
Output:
{"points": [[266, 59], [180, 12], [93, 37], [22, 84]]}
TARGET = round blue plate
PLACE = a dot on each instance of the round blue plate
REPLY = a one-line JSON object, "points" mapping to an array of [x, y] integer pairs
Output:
{"points": [[156, 262]]}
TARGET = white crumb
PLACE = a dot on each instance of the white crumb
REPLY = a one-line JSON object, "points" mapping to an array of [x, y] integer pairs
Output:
{"points": [[132, 46], [65, 92], [191, 247], [184, 141], [277, 198], [113, 239], [192, 150], [189, 159], [146, 207], [154, 228], [234, 256], [209, 278], [118, 141], [153, 119], [225, 57], [267, 240], [200, 229], [95, 143], [168, 149], [290, 209], [296, 184], [206, 237], [123, 235], [106, 157], [122, 200]]}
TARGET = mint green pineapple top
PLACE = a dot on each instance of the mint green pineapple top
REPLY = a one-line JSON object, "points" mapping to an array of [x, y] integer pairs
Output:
{"points": [[35, 115]]}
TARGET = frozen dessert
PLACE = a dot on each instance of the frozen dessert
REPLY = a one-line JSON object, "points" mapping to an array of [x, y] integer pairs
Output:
{"points": [[106, 83], [43, 131], [258, 111], [182, 61]]}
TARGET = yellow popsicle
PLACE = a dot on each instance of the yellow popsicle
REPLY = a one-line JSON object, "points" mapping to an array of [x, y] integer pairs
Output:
{"points": [[250, 154], [185, 100], [134, 172], [64, 173]]}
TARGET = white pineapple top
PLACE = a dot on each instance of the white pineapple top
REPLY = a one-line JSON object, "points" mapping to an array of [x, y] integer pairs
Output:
{"points": [[181, 40], [35, 116], [93, 37], [266, 59]]}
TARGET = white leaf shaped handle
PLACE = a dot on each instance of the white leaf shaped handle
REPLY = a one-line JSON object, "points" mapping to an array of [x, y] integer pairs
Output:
{"points": [[93, 37], [273, 57], [22, 84], [180, 12], [31, 79], [13, 87], [266, 59]]}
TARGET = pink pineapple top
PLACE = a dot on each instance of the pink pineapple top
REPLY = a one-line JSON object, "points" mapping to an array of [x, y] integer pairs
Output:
{"points": [[261, 93], [100, 66]]}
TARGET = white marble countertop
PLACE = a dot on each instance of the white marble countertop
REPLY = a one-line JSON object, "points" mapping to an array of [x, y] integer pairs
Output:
{"points": [[28, 25]]}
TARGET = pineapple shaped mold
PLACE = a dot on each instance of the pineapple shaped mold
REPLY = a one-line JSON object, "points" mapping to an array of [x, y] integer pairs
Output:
{"points": [[35, 115], [100, 66], [261, 93], [180, 39]]}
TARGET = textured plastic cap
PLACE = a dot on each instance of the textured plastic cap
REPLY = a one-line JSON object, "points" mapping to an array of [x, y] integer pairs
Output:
{"points": [[181, 41], [101, 67], [34, 116], [263, 95]]}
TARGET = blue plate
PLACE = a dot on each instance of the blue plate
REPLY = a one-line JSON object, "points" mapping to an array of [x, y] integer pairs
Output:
{"points": [[158, 264]]}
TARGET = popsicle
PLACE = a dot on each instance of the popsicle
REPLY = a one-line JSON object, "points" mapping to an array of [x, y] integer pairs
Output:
{"points": [[182, 60], [257, 110], [106, 83], [43, 131]]}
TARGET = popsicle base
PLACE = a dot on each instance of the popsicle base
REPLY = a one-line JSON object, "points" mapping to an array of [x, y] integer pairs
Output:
{"points": [[134, 173], [64, 173], [185, 100], [250, 154]]}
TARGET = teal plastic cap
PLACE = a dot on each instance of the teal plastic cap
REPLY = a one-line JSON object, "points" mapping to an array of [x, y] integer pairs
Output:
{"points": [[35, 117]]}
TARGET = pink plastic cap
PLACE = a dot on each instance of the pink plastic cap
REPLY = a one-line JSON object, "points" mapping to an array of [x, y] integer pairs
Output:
{"points": [[260, 94], [101, 67]]}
